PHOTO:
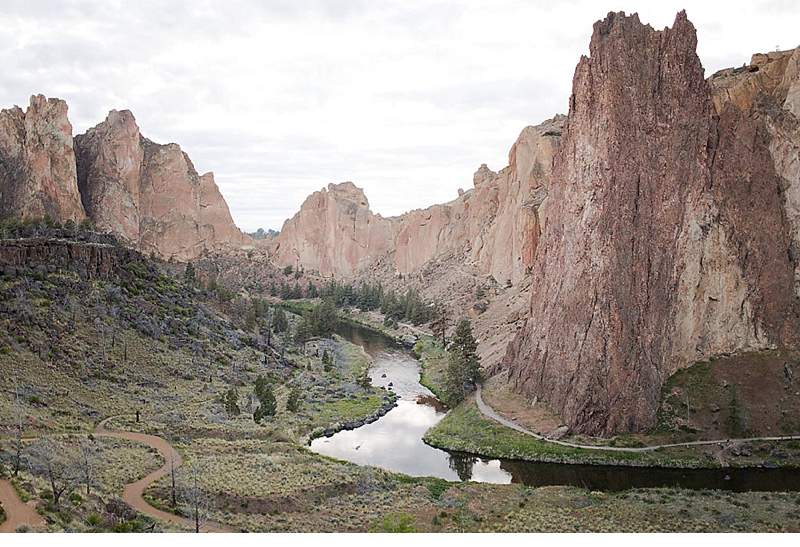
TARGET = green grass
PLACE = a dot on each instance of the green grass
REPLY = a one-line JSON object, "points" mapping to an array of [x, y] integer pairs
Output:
{"points": [[358, 360], [464, 429], [433, 359], [345, 410]]}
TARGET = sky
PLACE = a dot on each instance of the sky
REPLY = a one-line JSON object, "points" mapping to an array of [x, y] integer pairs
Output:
{"points": [[281, 97]]}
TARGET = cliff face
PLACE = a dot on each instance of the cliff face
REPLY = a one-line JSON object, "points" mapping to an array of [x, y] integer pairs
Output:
{"points": [[37, 162], [333, 233], [667, 238], [90, 260], [147, 194], [109, 160], [493, 227]]}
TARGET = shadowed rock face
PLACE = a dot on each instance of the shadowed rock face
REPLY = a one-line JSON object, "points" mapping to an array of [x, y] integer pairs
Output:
{"points": [[37, 162], [666, 239], [109, 159], [150, 194]]}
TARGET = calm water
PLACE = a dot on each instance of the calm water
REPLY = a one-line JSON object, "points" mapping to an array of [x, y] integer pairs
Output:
{"points": [[394, 442]]}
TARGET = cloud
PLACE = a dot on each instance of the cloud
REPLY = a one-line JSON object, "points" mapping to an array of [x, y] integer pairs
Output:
{"points": [[279, 98]]}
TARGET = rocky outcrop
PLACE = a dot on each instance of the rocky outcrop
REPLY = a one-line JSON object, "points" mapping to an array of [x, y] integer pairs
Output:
{"points": [[667, 239], [493, 227], [150, 194], [109, 161], [90, 260], [37, 162], [334, 233]]}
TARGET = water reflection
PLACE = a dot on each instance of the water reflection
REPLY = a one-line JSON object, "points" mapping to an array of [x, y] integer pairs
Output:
{"points": [[394, 442]]}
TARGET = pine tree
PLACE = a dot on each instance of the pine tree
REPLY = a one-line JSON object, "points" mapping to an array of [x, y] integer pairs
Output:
{"points": [[463, 364], [439, 323], [266, 397], [189, 275], [231, 402]]}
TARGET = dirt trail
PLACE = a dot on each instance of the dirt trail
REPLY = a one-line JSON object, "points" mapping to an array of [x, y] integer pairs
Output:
{"points": [[133, 492], [490, 413], [17, 511]]}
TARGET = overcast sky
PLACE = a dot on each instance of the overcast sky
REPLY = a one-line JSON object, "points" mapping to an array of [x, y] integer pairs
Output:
{"points": [[281, 97]]}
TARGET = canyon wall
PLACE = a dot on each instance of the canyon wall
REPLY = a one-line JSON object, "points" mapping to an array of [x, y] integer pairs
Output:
{"points": [[657, 225], [493, 227], [667, 239], [334, 233], [148, 195]]}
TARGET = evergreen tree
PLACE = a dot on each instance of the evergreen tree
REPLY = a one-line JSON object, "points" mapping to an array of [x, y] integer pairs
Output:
{"points": [[279, 321], [189, 275], [231, 402], [266, 397], [439, 322], [311, 290], [463, 363], [327, 360], [293, 401]]}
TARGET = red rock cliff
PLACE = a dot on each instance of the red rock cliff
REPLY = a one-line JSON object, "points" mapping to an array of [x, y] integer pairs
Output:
{"points": [[150, 194], [666, 239], [493, 226]]}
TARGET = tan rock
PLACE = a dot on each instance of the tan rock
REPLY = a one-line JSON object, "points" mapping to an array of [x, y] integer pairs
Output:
{"points": [[151, 194], [492, 226], [334, 233], [37, 162]]}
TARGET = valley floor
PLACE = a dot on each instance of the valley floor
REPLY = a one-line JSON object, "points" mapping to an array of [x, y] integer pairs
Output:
{"points": [[68, 374]]}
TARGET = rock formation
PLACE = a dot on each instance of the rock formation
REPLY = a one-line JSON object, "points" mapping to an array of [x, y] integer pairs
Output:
{"points": [[667, 239], [147, 194], [37, 162], [333, 233], [150, 194], [662, 228], [109, 160], [493, 226]]}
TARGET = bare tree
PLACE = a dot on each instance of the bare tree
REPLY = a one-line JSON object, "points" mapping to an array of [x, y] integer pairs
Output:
{"points": [[172, 476], [52, 461], [86, 463], [194, 498], [19, 428]]}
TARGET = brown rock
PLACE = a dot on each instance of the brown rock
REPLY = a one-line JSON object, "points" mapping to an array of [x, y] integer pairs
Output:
{"points": [[37, 162], [334, 233], [666, 240], [151, 194], [109, 159]]}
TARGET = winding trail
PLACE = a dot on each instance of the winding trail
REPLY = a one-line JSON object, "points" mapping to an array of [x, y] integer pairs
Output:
{"points": [[490, 413], [133, 493], [18, 512]]}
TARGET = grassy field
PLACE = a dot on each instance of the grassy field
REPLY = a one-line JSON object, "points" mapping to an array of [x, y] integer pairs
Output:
{"points": [[433, 359], [147, 342], [465, 429]]}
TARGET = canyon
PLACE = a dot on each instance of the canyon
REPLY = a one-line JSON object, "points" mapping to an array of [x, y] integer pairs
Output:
{"points": [[655, 225]]}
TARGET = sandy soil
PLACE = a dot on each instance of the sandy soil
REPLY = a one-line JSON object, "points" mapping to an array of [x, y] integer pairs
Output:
{"points": [[17, 511]]}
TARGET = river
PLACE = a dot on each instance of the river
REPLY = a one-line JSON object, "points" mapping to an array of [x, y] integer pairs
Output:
{"points": [[394, 442]]}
